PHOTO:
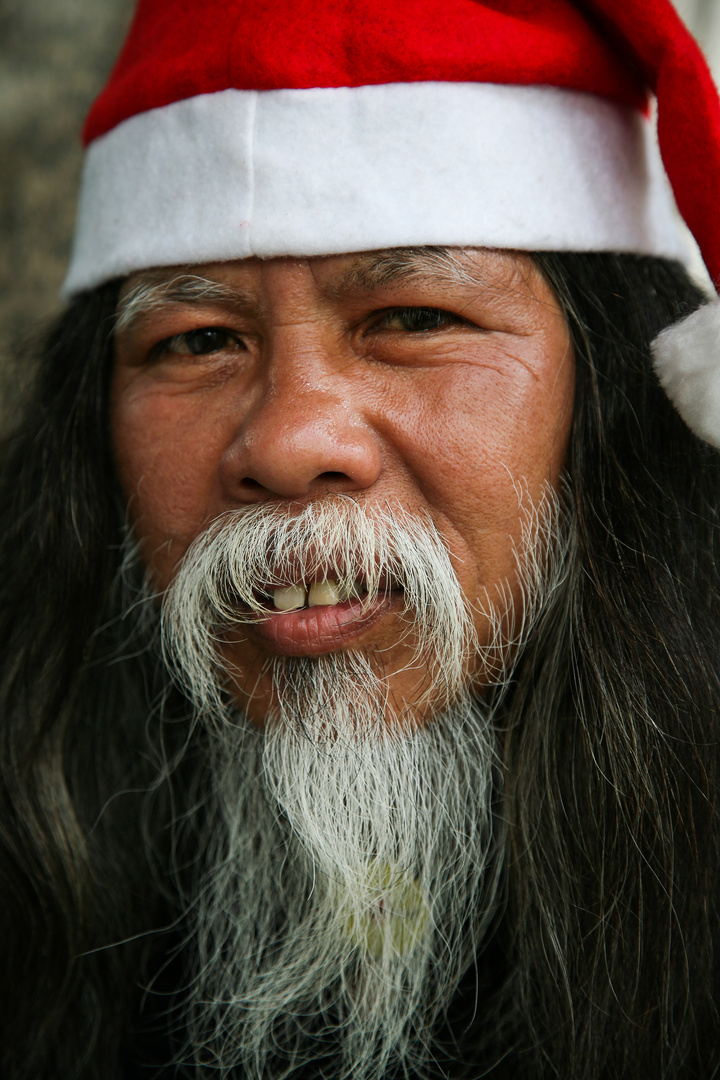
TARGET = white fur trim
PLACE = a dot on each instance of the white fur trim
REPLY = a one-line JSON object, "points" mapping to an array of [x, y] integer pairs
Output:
{"points": [[314, 172], [687, 362]]}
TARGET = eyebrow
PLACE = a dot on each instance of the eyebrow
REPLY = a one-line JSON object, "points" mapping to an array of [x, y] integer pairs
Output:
{"points": [[375, 269], [152, 293]]}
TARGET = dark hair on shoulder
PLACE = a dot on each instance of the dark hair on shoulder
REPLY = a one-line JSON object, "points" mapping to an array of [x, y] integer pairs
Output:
{"points": [[74, 765], [605, 949]]}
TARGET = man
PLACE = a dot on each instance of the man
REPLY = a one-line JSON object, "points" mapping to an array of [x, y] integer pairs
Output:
{"points": [[360, 684]]}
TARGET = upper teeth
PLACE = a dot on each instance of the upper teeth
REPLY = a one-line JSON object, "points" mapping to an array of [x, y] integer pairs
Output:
{"points": [[289, 598], [321, 593]]}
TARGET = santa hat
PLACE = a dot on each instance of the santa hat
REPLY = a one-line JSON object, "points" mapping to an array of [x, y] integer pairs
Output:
{"points": [[232, 128]]}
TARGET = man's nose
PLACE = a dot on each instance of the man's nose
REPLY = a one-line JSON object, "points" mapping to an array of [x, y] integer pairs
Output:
{"points": [[304, 434]]}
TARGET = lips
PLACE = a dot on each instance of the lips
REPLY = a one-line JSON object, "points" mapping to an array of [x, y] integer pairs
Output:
{"points": [[309, 606], [320, 628]]}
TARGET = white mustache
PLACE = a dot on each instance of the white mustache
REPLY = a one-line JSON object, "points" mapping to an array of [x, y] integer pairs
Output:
{"points": [[227, 573]]}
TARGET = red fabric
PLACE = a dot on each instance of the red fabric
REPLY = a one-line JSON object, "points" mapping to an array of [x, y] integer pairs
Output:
{"points": [[179, 48], [688, 108]]}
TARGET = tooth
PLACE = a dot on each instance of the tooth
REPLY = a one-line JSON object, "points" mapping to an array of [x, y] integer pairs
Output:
{"points": [[352, 590], [289, 598], [324, 593]]}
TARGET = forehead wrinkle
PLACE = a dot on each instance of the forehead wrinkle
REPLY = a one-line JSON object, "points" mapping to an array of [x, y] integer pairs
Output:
{"points": [[152, 293]]}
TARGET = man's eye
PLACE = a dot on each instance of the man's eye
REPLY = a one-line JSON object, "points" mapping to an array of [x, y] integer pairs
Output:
{"points": [[202, 342], [415, 319]]}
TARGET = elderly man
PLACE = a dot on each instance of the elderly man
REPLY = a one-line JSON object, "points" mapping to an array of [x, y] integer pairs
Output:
{"points": [[360, 691]]}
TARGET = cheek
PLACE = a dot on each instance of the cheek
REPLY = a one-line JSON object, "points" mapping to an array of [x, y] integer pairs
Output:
{"points": [[166, 457], [482, 442]]}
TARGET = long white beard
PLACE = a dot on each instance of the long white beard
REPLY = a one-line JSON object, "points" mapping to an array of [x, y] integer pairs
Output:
{"points": [[351, 864], [349, 884]]}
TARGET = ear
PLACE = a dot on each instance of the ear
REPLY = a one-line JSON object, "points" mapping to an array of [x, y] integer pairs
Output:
{"points": [[687, 362]]}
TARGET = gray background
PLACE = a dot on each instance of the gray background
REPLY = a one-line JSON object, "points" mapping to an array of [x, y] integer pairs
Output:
{"points": [[54, 56]]}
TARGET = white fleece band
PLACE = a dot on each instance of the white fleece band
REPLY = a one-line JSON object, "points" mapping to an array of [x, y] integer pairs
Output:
{"points": [[323, 171]]}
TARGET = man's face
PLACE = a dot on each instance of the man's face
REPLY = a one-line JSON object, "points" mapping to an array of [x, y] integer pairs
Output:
{"points": [[440, 384]]}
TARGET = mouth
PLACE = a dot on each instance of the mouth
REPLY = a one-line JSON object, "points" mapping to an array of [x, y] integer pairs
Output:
{"points": [[312, 618]]}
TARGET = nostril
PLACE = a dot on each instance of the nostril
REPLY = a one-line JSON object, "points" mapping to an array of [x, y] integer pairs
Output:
{"points": [[331, 477]]}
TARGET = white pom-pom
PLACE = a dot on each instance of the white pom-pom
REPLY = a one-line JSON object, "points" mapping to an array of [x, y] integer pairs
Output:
{"points": [[687, 362]]}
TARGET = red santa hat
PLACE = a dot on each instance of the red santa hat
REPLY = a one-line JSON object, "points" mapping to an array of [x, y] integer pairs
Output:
{"points": [[233, 128]]}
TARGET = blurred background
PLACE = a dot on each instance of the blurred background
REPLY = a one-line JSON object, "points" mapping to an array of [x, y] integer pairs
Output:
{"points": [[54, 56], [703, 18]]}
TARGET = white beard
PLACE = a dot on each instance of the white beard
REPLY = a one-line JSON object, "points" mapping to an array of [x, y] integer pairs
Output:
{"points": [[349, 886], [352, 865]]}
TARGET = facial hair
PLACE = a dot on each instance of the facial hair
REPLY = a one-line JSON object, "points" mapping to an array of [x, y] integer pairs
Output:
{"points": [[352, 865]]}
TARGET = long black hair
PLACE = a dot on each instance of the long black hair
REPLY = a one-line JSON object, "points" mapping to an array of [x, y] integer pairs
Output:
{"points": [[76, 771], [611, 765], [603, 959]]}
